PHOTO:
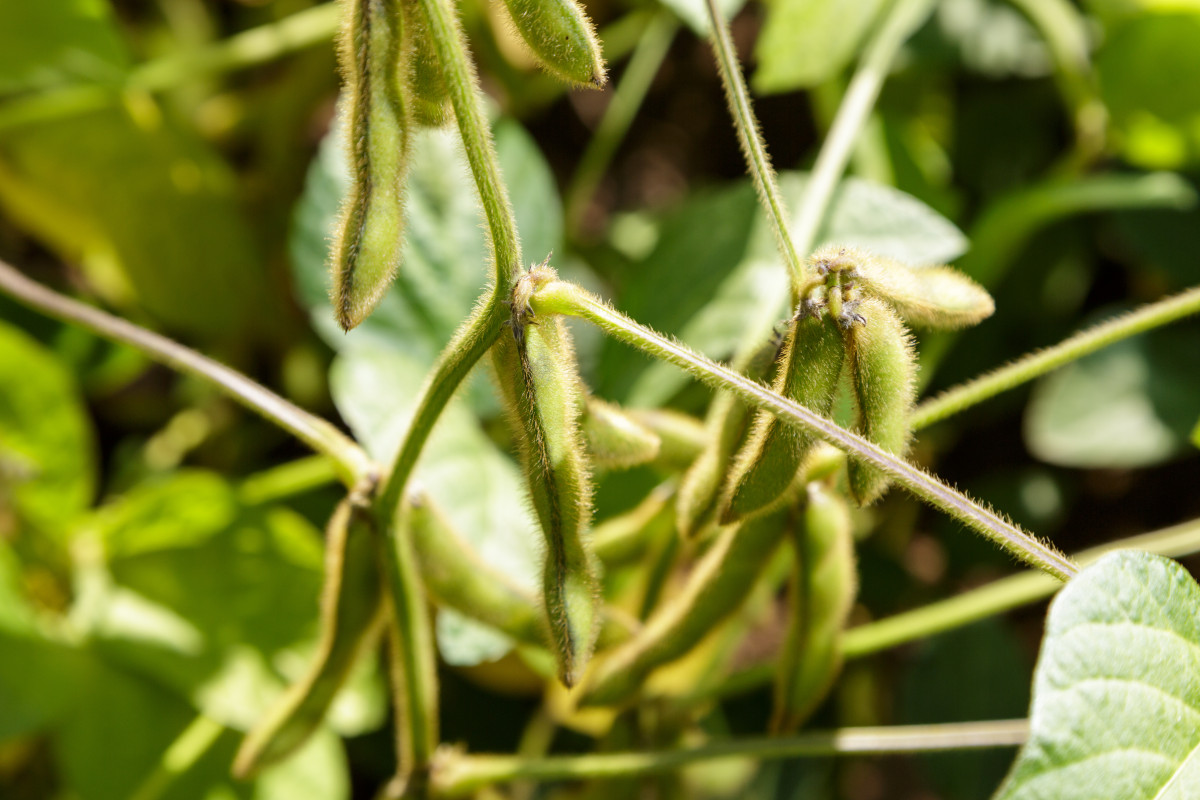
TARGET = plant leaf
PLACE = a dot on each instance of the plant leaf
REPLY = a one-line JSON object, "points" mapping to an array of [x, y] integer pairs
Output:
{"points": [[47, 447], [805, 42], [1116, 701], [52, 42]]}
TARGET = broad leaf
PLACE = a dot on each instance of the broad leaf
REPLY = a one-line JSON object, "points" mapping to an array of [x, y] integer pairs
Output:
{"points": [[1116, 699], [52, 42], [806, 42], [213, 598], [47, 448], [1131, 404]]}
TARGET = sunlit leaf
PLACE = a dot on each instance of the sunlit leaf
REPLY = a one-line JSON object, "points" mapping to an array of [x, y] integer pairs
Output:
{"points": [[47, 452], [1116, 703], [805, 42]]}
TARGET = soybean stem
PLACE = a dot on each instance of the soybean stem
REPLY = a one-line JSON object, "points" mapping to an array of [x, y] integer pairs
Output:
{"points": [[351, 461], [753, 148], [1036, 364], [457, 775], [181, 755], [559, 297], [467, 99], [286, 480]]}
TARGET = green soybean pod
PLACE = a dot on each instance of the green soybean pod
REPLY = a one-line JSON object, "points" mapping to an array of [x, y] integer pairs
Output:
{"points": [[681, 436], [822, 591], [810, 366], [615, 439], [561, 37], [540, 383], [430, 96], [883, 376], [725, 427], [375, 114], [352, 612], [715, 588], [623, 538]]}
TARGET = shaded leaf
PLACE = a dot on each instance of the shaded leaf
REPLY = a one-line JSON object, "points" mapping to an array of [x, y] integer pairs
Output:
{"points": [[1131, 404], [52, 42], [146, 208], [1116, 703]]}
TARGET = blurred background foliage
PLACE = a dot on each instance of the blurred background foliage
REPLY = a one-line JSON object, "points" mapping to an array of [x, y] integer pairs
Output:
{"points": [[160, 549]]}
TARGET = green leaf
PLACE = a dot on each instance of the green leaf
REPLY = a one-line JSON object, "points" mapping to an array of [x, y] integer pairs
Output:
{"points": [[1149, 76], [717, 261], [1129, 405], [47, 447], [806, 42], [1116, 703], [52, 42], [213, 598], [145, 207], [40, 683]]}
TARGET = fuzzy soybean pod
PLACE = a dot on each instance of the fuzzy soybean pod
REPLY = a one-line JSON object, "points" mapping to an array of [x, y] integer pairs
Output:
{"points": [[715, 588], [561, 37], [725, 427], [352, 612], [430, 97], [931, 296], [809, 368], [615, 439], [681, 436], [883, 376], [822, 591], [540, 383], [374, 109]]}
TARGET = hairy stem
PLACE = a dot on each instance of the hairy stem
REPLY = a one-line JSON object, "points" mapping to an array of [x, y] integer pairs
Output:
{"points": [[351, 461], [560, 297], [753, 148], [457, 775], [1004, 594], [469, 344], [1027, 368], [467, 99]]}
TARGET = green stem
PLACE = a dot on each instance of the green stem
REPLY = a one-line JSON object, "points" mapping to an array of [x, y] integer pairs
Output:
{"points": [[1036, 364], [414, 656], [469, 344], [351, 461], [559, 297], [456, 775], [753, 148], [1004, 594], [626, 100], [904, 17], [181, 755], [287, 480], [465, 95]]}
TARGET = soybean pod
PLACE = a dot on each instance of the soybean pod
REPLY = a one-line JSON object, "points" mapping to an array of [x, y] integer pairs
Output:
{"points": [[540, 383], [823, 586], [561, 37], [430, 96], [883, 376], [375, 115], [614, 439], [810, 365], [715, 588], [351, 618], [725, 427]]}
